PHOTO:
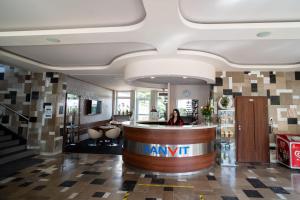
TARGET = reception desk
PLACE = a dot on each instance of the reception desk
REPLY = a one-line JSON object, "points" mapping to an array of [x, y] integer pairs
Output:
{"points": [[169, 149]]}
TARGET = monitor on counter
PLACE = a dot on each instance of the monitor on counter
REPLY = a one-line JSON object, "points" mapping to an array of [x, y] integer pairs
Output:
{"points": [[93, 107]]}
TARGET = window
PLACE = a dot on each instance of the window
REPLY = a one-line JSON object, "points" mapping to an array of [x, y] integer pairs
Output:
{"points": [[123, 103], [72, 109], [143, 105], [162, 105], [184, 106], [72, 103]]}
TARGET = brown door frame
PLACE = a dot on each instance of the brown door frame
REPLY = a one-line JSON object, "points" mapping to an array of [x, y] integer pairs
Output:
{"points": [[65, 121], [261, 151]]}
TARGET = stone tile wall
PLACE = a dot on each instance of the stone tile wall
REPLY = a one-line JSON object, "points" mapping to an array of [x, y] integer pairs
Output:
{"points": [[281, 88], [28, 93]]}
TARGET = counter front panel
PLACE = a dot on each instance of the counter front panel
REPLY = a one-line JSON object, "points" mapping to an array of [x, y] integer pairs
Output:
{"points": [[168, 149]]}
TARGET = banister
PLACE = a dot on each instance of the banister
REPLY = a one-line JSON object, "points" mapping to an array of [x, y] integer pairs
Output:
{"points": [[12, 110]]}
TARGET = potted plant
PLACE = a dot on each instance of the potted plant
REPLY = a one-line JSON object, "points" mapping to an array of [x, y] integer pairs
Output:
{"points": [[206, 112], [225, 102]]}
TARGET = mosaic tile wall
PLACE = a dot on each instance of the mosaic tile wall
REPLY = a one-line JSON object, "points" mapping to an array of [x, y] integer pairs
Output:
{"points": [[281, 88], [12, 94], [29, 93]]}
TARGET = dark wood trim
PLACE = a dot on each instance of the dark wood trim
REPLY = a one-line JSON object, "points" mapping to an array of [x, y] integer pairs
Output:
{"points": [[170, 165], [79, 113], [169, 136], [65, 122], [113, 103]]}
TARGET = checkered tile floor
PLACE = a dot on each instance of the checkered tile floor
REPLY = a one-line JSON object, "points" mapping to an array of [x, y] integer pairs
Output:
{"points": [[92, 176]]}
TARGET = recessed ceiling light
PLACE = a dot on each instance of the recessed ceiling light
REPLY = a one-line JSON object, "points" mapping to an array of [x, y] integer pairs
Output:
{"points": [[263, 34], [55, 40], [184, 77], [152, 77]]}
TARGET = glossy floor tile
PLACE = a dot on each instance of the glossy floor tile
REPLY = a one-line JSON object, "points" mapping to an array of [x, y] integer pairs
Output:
{"points": [[99, 176]]}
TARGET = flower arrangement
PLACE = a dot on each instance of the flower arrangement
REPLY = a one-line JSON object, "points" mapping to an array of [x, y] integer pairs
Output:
{"points": [[207, 110]]}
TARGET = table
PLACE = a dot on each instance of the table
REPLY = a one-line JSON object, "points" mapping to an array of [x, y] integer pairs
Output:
{"points": [[106, 127], [116, 123]]}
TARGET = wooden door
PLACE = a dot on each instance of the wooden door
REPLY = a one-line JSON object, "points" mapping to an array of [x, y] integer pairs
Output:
{"points": [[261, 129], [245, 129], [251, 129]]}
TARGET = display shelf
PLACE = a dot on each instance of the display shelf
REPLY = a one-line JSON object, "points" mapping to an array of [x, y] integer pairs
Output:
{"points": [[227, 110], [226, 143], [227, 125]]}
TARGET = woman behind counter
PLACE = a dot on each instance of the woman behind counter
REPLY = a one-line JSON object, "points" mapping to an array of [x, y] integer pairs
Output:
{"points": [[176, 119]]}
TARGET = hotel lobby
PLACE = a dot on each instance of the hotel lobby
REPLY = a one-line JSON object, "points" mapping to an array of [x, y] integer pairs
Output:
{"points": [[149, 99]]}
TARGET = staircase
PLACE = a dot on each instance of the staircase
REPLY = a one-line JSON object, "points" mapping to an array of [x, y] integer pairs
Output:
{"points": [[12, 147]]}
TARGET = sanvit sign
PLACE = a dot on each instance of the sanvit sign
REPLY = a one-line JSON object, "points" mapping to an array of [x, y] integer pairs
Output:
{"points": [[178, 151], [168, 150]]}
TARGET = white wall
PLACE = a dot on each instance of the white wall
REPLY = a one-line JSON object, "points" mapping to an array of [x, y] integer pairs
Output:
{"points": [[200, 92], [89, 91]]}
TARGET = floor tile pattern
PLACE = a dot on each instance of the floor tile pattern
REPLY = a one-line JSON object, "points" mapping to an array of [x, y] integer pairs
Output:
{"points": [[100, 176]]}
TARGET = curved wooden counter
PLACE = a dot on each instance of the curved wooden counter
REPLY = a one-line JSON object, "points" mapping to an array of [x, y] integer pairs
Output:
{"points": [[169, 149]]}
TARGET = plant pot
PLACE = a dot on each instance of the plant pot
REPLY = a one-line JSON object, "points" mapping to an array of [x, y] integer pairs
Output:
{"points": [[207, 120]]}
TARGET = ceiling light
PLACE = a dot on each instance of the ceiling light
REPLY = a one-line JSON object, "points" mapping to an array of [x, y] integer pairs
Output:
{"points": [[152, 77], [263, 34], [55, 40], [184, 77]]}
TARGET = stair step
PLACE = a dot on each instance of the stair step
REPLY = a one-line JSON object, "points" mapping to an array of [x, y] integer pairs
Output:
{"points": [[9, 143], [5, 137], [12, 149], [16, 156], [2, 132]]}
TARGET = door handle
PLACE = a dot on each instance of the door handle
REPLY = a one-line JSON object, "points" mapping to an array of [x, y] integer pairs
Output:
{"points": [[239, 127]]}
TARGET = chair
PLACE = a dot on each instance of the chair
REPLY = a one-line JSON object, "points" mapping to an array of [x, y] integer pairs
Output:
{"points": [[112, 135], [95, 135]]}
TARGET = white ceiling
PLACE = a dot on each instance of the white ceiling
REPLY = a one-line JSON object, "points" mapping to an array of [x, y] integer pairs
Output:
{"points": [[94, 40], [262, 52], [56, 14], [240, 11], [72, 54]]}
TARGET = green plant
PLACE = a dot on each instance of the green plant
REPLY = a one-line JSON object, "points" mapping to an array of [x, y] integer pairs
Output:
{"points": [[207, 110], [224, 101]]}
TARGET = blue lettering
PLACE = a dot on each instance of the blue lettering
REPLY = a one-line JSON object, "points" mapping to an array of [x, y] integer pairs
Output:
{"points": [[147, 149], [185, 149], [153, 150], [162, 150]]}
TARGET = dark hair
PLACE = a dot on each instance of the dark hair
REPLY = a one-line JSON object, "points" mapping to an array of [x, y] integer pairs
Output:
{"points": [[178, 114]]}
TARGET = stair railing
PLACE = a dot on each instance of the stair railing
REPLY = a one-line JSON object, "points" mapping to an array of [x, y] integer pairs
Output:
{"points": [[17, 113]]}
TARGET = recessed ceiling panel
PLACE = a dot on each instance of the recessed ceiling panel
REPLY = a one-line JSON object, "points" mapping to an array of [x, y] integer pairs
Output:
{"points": [[240, 11], [77, 54], [111, 82], [57, 14], [251, 51], [173, 80]]}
